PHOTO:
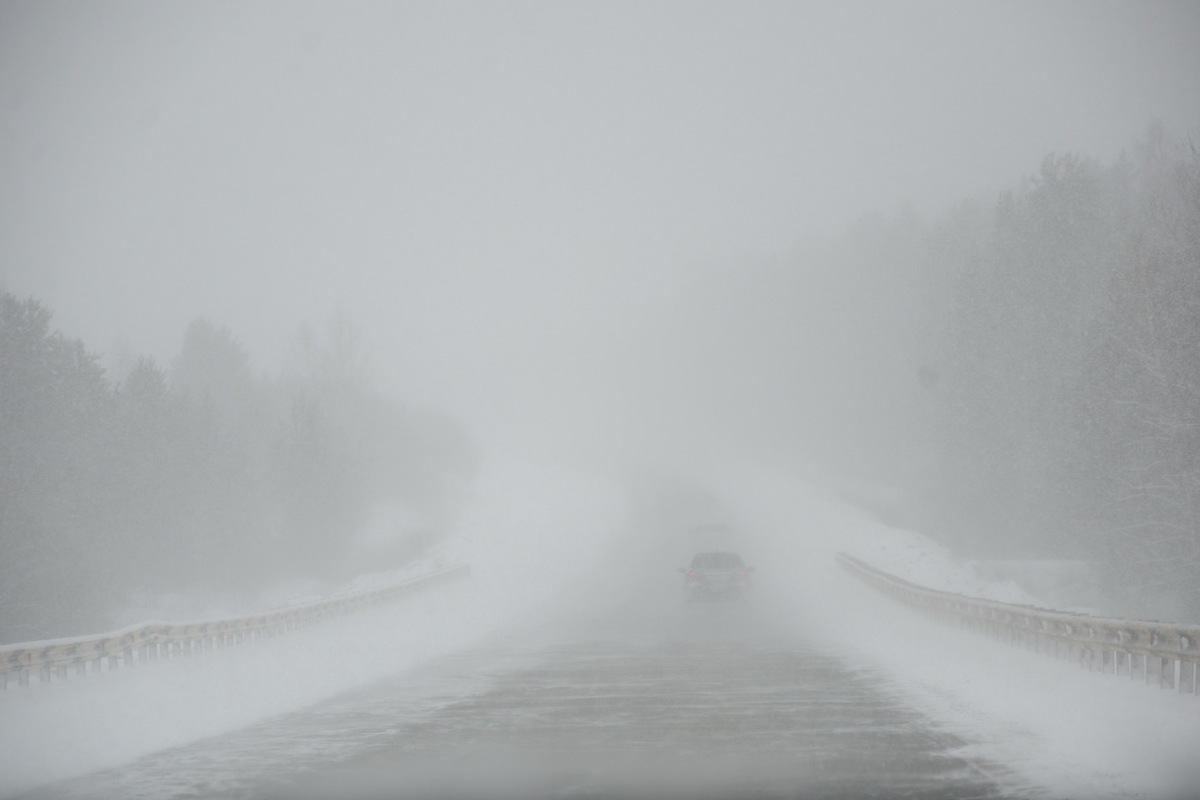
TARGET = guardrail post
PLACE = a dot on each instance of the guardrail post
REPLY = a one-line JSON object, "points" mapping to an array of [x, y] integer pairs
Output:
{"points": [[1187, 677], [1166, 674]]}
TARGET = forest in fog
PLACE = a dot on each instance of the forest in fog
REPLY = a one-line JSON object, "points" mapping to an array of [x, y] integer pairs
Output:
{"points": [[1061, 346], [198, 475], [1024, 369]]}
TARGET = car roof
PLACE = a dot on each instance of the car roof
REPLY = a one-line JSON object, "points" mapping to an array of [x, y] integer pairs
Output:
{"points": [[717, 558]]}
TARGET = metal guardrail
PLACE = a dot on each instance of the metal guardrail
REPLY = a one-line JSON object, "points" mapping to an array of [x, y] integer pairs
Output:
{"points": [[1161, 652], [62, 658]]}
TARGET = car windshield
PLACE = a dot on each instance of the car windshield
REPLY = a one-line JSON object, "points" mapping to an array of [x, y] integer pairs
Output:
{"points": [[717, 561]]}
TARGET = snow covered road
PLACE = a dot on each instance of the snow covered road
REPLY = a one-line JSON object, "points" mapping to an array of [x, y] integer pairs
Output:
{"points": [[702, 701]]}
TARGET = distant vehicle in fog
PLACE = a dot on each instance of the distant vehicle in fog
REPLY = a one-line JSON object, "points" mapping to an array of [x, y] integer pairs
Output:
{"points": [[716, 576]]}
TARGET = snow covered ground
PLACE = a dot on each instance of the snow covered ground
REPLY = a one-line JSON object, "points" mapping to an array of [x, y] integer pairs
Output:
{"points": [[529, 536], [1070, 732]]}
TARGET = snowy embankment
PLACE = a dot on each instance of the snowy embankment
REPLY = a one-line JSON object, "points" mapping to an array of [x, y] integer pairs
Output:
{"points": [[528, 532], [1066, 731]]}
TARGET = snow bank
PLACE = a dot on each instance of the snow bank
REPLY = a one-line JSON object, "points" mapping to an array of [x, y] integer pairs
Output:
{"points": [[915, 558], [1064, 731], [528, 533]]}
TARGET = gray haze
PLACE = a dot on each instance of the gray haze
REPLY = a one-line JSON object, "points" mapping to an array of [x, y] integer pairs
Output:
{"points": [[512, 202], [300, 299]]}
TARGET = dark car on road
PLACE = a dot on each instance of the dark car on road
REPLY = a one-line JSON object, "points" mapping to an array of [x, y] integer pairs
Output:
{"points": [[716, 576]]}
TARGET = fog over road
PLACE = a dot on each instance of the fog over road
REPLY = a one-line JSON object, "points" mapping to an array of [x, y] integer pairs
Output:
{"points": [[570, 665], [652, 700]]}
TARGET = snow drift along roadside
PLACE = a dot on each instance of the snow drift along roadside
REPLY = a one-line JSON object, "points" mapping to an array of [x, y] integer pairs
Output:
{"points": [[526, 534], [1066, 732]]}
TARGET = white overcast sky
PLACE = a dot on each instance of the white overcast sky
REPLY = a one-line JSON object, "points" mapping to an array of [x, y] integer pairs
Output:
{"points": [[477, 184]]}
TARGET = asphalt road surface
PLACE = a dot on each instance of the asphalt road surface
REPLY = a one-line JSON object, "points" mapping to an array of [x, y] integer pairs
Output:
{"points": [[702, 702]]}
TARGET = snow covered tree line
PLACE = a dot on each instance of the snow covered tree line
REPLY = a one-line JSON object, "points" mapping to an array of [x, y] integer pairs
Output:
{"points": [[1061, 351], [200, 476]]}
